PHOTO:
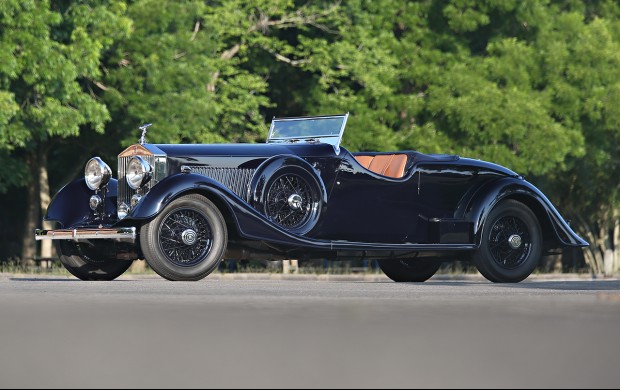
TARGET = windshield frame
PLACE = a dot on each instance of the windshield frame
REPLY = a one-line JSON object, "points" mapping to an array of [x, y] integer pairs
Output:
{"points": [[333, 139]]}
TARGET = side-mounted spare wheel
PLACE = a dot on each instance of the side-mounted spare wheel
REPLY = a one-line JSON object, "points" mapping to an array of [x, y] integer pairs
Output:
{"points": [[511, 243], [289, 192], [187, 240]]}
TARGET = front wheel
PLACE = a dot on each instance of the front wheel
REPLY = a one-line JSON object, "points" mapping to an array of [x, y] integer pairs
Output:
{"points": [[511, 243], [409, 270], [187, 240], [88, 262]]}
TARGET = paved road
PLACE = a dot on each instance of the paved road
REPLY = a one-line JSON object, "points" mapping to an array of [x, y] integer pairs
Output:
{"points": [[308, 334]]}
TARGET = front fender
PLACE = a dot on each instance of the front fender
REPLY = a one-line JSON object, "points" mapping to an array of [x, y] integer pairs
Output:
{"points": [[70, 206], [249, 222], [171, 188], [549, 217]]}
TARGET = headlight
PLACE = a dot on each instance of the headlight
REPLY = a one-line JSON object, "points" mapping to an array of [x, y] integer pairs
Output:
{"points": [[97, 173], [138, 172]]}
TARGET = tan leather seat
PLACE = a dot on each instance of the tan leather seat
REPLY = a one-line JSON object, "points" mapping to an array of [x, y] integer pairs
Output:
{"points": [[364, 160], [391, 165]]}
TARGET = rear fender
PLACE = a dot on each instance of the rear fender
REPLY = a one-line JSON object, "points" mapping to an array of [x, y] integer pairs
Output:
{"points": [[557, 230]]}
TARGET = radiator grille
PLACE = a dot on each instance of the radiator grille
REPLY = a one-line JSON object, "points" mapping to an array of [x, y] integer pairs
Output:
{"points": [[124, 191]]}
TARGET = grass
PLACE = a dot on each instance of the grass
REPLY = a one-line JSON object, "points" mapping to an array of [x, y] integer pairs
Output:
{"points": [[14, 266]]}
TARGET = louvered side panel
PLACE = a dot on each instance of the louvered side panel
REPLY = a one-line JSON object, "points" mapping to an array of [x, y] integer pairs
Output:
{"points": [[235, 179]]}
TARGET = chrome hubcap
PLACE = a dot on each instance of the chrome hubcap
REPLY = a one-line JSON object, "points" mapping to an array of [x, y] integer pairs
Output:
{"points": [[295, 201], [189, 237], [515, 241]]}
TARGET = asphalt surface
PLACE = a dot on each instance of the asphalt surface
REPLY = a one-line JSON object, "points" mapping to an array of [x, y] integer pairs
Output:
{"points": [[266, 332]]}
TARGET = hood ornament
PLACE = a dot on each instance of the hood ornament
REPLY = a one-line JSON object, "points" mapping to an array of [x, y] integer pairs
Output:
{"points": [[144, 128]]}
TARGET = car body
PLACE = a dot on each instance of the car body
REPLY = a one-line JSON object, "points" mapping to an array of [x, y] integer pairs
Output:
{"points": [[301, 195]]}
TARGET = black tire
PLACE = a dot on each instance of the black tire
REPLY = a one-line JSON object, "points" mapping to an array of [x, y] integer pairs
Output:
{"points": [[187, 240], [86, 262], [511, 243], [409, 270], [292, 199]]}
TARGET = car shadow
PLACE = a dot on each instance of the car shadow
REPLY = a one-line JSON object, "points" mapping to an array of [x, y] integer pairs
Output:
{"points": [[564, 285], [56, 280], [586, 285]]}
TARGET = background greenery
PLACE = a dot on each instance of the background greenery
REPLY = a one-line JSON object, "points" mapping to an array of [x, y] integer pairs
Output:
{"points": [[530, 84]]}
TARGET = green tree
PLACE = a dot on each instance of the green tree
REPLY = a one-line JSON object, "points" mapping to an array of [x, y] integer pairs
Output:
{"points": [[48, 64], [438, 77], [584, 80], [528, 84], [199, 72]]}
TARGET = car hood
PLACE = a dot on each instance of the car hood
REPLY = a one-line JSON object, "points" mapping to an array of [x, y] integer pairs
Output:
{"points": [[244, 150]]}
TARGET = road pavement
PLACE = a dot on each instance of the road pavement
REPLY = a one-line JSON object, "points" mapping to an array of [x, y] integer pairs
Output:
{"points": [[308, 332]]}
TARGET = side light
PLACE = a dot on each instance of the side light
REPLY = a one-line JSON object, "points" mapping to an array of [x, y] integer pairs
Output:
{"points": [[135, 199], [122, 210], [95, 202]]}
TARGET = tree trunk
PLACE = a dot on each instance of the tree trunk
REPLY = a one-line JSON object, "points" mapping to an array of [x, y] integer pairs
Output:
{"points": [[47, 251], [29, 245], [616, 241], [593, 255]]}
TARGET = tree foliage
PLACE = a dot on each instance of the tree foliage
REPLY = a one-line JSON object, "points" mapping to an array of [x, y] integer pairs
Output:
{"points": [[200, 72], [49, 56]]}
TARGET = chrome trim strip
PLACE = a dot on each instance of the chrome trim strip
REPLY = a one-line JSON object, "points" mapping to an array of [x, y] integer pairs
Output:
{"points": [[123, 234]]}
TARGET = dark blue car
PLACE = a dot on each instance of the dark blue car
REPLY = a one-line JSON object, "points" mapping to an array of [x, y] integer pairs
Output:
{"points": [[184, 208]]}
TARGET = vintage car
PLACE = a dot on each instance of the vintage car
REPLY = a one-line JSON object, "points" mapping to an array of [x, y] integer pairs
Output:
{"points": [[183, 208]]}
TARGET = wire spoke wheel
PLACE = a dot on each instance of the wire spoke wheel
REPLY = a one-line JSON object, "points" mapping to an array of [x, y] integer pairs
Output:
{"points": [[290, 201], [185, 237], [187, 240], [289, 192], [510, 242]]}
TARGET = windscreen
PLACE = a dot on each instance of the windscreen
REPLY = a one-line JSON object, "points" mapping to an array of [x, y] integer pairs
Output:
{"points": [[325, 129]]}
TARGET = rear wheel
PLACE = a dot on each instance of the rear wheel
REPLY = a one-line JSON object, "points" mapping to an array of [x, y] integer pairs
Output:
{"points": [[187, 240], [409, 270], [86, 262], [511, 243]]}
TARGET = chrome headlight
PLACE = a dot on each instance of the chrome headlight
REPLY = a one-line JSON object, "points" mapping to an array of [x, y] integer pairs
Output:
{"points": [[138, 172], [97, 173]]}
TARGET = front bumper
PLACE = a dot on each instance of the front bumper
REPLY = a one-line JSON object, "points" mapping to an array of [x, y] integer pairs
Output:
{"points": [[124, 234]]}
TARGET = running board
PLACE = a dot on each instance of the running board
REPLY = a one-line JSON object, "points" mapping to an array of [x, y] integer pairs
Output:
{"points": [[348, 245]]}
